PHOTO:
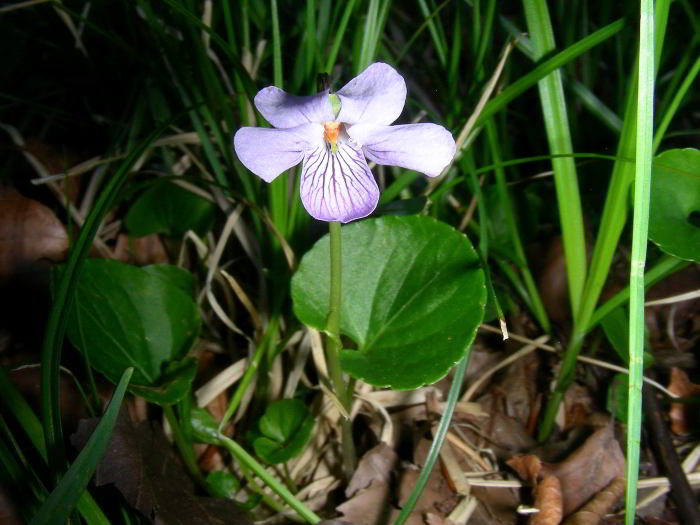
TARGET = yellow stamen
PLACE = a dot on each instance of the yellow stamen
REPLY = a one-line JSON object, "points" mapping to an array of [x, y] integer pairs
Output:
{"points": [[330, 134]]}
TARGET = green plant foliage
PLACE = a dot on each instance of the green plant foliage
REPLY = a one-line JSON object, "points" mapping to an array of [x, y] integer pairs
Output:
{"points": [[414, 295], [616, 327], [618, 396], [204, 427], [170, 209], [285, 430], [60, 503], [142, 317], [675, 200], [223, 484]]}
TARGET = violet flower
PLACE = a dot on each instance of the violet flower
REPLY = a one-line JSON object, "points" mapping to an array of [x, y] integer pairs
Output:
{"points": [[333, 142]]}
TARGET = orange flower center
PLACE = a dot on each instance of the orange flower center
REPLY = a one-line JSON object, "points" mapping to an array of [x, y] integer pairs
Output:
{"points": [[331, 131]]}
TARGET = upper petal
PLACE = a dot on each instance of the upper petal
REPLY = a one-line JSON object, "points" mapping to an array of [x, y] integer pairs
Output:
{"points": [[427, 148], [338, 186], [283, 110], [267, 152], [375, 96]]}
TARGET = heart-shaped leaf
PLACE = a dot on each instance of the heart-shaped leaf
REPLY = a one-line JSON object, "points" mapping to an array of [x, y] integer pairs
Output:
{"points": [[170, 209], [142, 317], [675, 203], [286, 429], [413, 295]]}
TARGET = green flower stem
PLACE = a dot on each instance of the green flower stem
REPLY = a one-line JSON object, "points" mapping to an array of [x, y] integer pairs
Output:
{"points": [[334, 346], [249, 462], [184, 446], [268, 339]]}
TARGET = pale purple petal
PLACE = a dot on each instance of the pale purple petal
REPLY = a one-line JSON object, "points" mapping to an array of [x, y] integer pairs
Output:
{"points": [[283, 110], [338, 186], [427, 148], [375, 96], [267, 152]]}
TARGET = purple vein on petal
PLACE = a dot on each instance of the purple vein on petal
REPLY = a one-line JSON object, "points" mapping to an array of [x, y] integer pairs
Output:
{"points": [[338, 186]]}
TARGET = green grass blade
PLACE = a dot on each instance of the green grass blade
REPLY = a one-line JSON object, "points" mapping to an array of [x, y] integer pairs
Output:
{"points": [[58, 317], [339, 35], [438, 440], [556, 121], [504, 197], [20, 409], [438, 42], [675, 104], [61, 501], [276, 46], [665, 267], [612, 223], [407, 47], [542, 70], [642, 190]]}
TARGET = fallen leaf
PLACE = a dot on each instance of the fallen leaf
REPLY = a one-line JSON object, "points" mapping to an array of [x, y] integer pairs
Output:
{"points": [[139, 462], [680, 384], [553, 282], [548, 500], [369, 506], [140, 251], [437, 497], [578, 405], [376, 465], [29, 232], [590, 468], [595, 510], [9, 511], [527, 467], [585, 472]]}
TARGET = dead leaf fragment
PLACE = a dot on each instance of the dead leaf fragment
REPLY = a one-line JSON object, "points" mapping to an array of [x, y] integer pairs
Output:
{"points": [[140, 250], [139, 462], [370, 506], [548, 500], [590, 468], [376, 465], [584, 473], [527, 467], [681, 385], [29, 232], [593, 512]]}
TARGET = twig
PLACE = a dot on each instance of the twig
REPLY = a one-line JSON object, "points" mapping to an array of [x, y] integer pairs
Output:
{"points": [[681, 492]]}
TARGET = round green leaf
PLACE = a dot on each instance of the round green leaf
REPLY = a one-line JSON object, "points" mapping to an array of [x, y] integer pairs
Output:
{"points": [[170, 209], [223, 484], [413, 296], [675, 196], [286, 429], [126, 316]]}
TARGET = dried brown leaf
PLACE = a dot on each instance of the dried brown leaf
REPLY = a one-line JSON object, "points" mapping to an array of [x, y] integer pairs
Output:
{"points": [[585, 472], [548, 499], [528, 467], [29, 232], [594, 511], [9, 511], [370, 506], [140, 250], [139, 462], [376, 465], [681, 385], [436, 497]]}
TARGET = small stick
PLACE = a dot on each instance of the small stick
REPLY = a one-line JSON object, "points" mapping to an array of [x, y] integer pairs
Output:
{"points": [[681, 492]]}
